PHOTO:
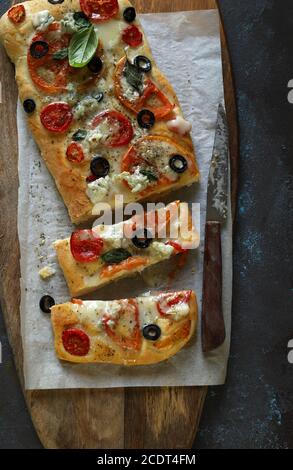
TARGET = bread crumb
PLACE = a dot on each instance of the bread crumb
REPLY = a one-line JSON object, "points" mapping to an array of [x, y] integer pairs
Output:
{"points": [[46, 272]]}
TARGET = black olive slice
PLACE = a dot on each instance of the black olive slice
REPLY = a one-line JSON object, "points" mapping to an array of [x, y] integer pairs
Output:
{"points": [[55, 2], [39, 49], [178, 163], [79, 135], [46, 303], [129, 14], [95, 65], [29, 106], [146, 119], [143, 63], [99, 96], [142, 240], [77, 15], [151, 332], [100, 167]]}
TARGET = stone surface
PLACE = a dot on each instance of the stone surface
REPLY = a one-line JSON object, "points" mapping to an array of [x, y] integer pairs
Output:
{"points": [[255, 408]]}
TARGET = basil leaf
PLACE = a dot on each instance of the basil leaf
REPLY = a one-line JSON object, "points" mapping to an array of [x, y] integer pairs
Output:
{"points": [[133, 77], [149, 175], [115, 256], [82, 47], [80, 134], [60, 55]]}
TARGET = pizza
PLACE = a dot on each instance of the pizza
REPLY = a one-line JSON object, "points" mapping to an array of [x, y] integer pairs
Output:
{"points": [[145, 330], [92, 258], [105, 118]]}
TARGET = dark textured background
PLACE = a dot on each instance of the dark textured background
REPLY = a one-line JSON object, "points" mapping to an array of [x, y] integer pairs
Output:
{"points": [[255, 407]]}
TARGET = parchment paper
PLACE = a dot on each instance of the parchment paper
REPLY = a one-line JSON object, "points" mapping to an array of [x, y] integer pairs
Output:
{"points": [[187, 48]]}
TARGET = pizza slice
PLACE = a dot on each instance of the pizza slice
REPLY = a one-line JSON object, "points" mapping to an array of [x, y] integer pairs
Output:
{"points": [[145, 330], [92, 258], [104, 117]]}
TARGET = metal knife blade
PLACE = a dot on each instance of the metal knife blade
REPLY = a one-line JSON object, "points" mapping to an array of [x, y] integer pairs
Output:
{"points": [[213, 324], [217, 196]]}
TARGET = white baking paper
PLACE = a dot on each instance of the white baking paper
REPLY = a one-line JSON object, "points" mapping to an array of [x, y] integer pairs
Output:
{"points": [[187, 48]]}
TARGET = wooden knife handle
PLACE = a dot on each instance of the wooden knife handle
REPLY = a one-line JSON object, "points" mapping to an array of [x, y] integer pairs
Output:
{"points": [[213, 325]]}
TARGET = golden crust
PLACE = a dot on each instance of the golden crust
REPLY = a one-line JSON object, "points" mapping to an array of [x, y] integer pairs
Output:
{"points": [[83, 278], [70, 180], [105, 350]]}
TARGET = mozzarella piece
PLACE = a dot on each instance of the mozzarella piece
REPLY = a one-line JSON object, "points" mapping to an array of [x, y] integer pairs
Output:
{"points": [[42, 20], [179, 125]]}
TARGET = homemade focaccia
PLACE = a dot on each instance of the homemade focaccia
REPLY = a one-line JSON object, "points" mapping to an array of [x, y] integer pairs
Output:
{"points": [[93, 258], [131, 332], [104, 117]]}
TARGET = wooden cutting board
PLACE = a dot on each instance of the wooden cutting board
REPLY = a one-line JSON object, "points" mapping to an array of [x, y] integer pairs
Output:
{"points": [[162, 418]]}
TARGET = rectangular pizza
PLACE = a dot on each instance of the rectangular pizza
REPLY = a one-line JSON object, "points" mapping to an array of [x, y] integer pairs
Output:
{"points": [[92, 258], [145, 330], [105, 118]]}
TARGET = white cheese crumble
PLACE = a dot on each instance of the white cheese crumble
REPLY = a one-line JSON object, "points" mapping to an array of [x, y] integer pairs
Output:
{"points": [[88, 104], [98, 189], [47, 272], [160, 250], [68, 25], [42, 20], [136, 180], [128, 91]]}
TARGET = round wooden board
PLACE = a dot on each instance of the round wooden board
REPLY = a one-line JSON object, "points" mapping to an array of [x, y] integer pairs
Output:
{"points": [[163, 418]]}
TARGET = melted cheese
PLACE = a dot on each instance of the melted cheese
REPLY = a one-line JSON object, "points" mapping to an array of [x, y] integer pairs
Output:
{"points": [[95, 311]]}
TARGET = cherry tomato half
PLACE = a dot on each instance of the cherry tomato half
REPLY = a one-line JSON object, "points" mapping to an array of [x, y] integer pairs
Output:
{"points": [[99, 10], [76, 342], [56, 117], [17, 14], [75, 153], [132, 36], [120, 127], [85, 246]]}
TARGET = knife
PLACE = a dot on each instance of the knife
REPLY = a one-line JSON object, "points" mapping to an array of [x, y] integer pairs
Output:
{"points": [[213, 325]]}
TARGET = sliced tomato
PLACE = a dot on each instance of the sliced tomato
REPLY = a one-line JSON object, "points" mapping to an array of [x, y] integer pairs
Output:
{"points": [[56, 117], [126, 321], [85, 246], [76, 342], [120, 127], [99, 10], [167, 301], [132, 36], [47, 73], [75, 153], [177, 247], [129, 264], [17, 14], [152, 98], [137, 157], [53, 75]]}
